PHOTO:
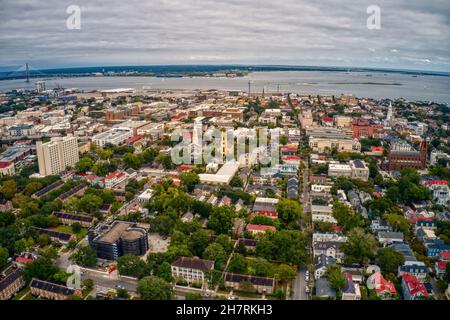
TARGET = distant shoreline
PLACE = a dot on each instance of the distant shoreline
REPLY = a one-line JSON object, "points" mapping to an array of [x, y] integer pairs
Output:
{"points": [[178, 71]]}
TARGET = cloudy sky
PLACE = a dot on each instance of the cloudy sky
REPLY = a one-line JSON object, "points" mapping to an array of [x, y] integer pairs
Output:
{"points": [[414, 34]]}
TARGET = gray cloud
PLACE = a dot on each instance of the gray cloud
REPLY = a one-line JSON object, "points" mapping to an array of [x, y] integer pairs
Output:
{"points": [[413, 35]]}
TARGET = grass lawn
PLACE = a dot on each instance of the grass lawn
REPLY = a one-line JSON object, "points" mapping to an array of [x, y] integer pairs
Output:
{"points": [[21, 293]]}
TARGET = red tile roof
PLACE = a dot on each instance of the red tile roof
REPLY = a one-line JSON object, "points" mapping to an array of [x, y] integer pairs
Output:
{"points": [[257, 227], [5, 164], [414, 286], [445, 255], [382, 285]]}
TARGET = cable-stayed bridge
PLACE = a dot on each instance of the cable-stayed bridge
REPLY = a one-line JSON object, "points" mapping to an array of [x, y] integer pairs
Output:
{"points": [[25, 71]]}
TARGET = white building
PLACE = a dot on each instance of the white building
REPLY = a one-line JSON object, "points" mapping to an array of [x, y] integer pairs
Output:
{"points": [[339, 170], [115, 136], [55, 156], [359, 169], [223, 176], [145, 196]]}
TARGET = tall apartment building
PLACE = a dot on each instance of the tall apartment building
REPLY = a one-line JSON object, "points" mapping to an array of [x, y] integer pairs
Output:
{"points": [[55, 156]]}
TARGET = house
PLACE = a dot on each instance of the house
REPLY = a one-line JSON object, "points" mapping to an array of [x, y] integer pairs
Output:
{"points": [[412, 288], [11, 284], [7, 168], [385, 289], [351, 291], [266, 207], [378, 225], [292, 188], [105, 208], [425, 224], [255, 229], [425, 234], [328, 248], [321, 213], [385, 238], [250, 244], [70, 218], [435, 246], [323, 289], [57, 236], [322, 264], [418, 269], [145, 196], [5, 205], [53, 291], [260, 284], [445, 256], [191, 269], [440, 268]]}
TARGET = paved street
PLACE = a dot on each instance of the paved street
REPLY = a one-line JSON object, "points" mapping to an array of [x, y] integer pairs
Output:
{"points": [[299, 286]]}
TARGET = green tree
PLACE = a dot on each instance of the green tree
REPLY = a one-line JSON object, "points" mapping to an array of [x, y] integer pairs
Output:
{"points": [[134, 161], [216, 253], [76, 227], [198, 242], [346, 216], [390, 260], [4, 255], [189, 180], [288, 246], [84, 164], [85, 257], [164, 271], [32, 187], [40, 268], [335, 277], [360, 246], [236, 182], [90, 203], [193, 296], [261, 267], [238, 263], [285, 273], [154, 288], [9, 189], [221, 219], [122, 293], [398, 222], [132, 266], [288, 210]]}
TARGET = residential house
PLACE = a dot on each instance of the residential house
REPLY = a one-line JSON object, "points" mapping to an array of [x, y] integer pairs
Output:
{"points": [[11, 284], [440, 268], [322, 263], [255, 229], [418, 269], [70, 218], [292, 188], [328, 248], [435, 246], [5, 205], [52, 291], [191, 269], [389, 237], [412, 288], [260, 284], [351, 291], [323, 289], [385, 289]]}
